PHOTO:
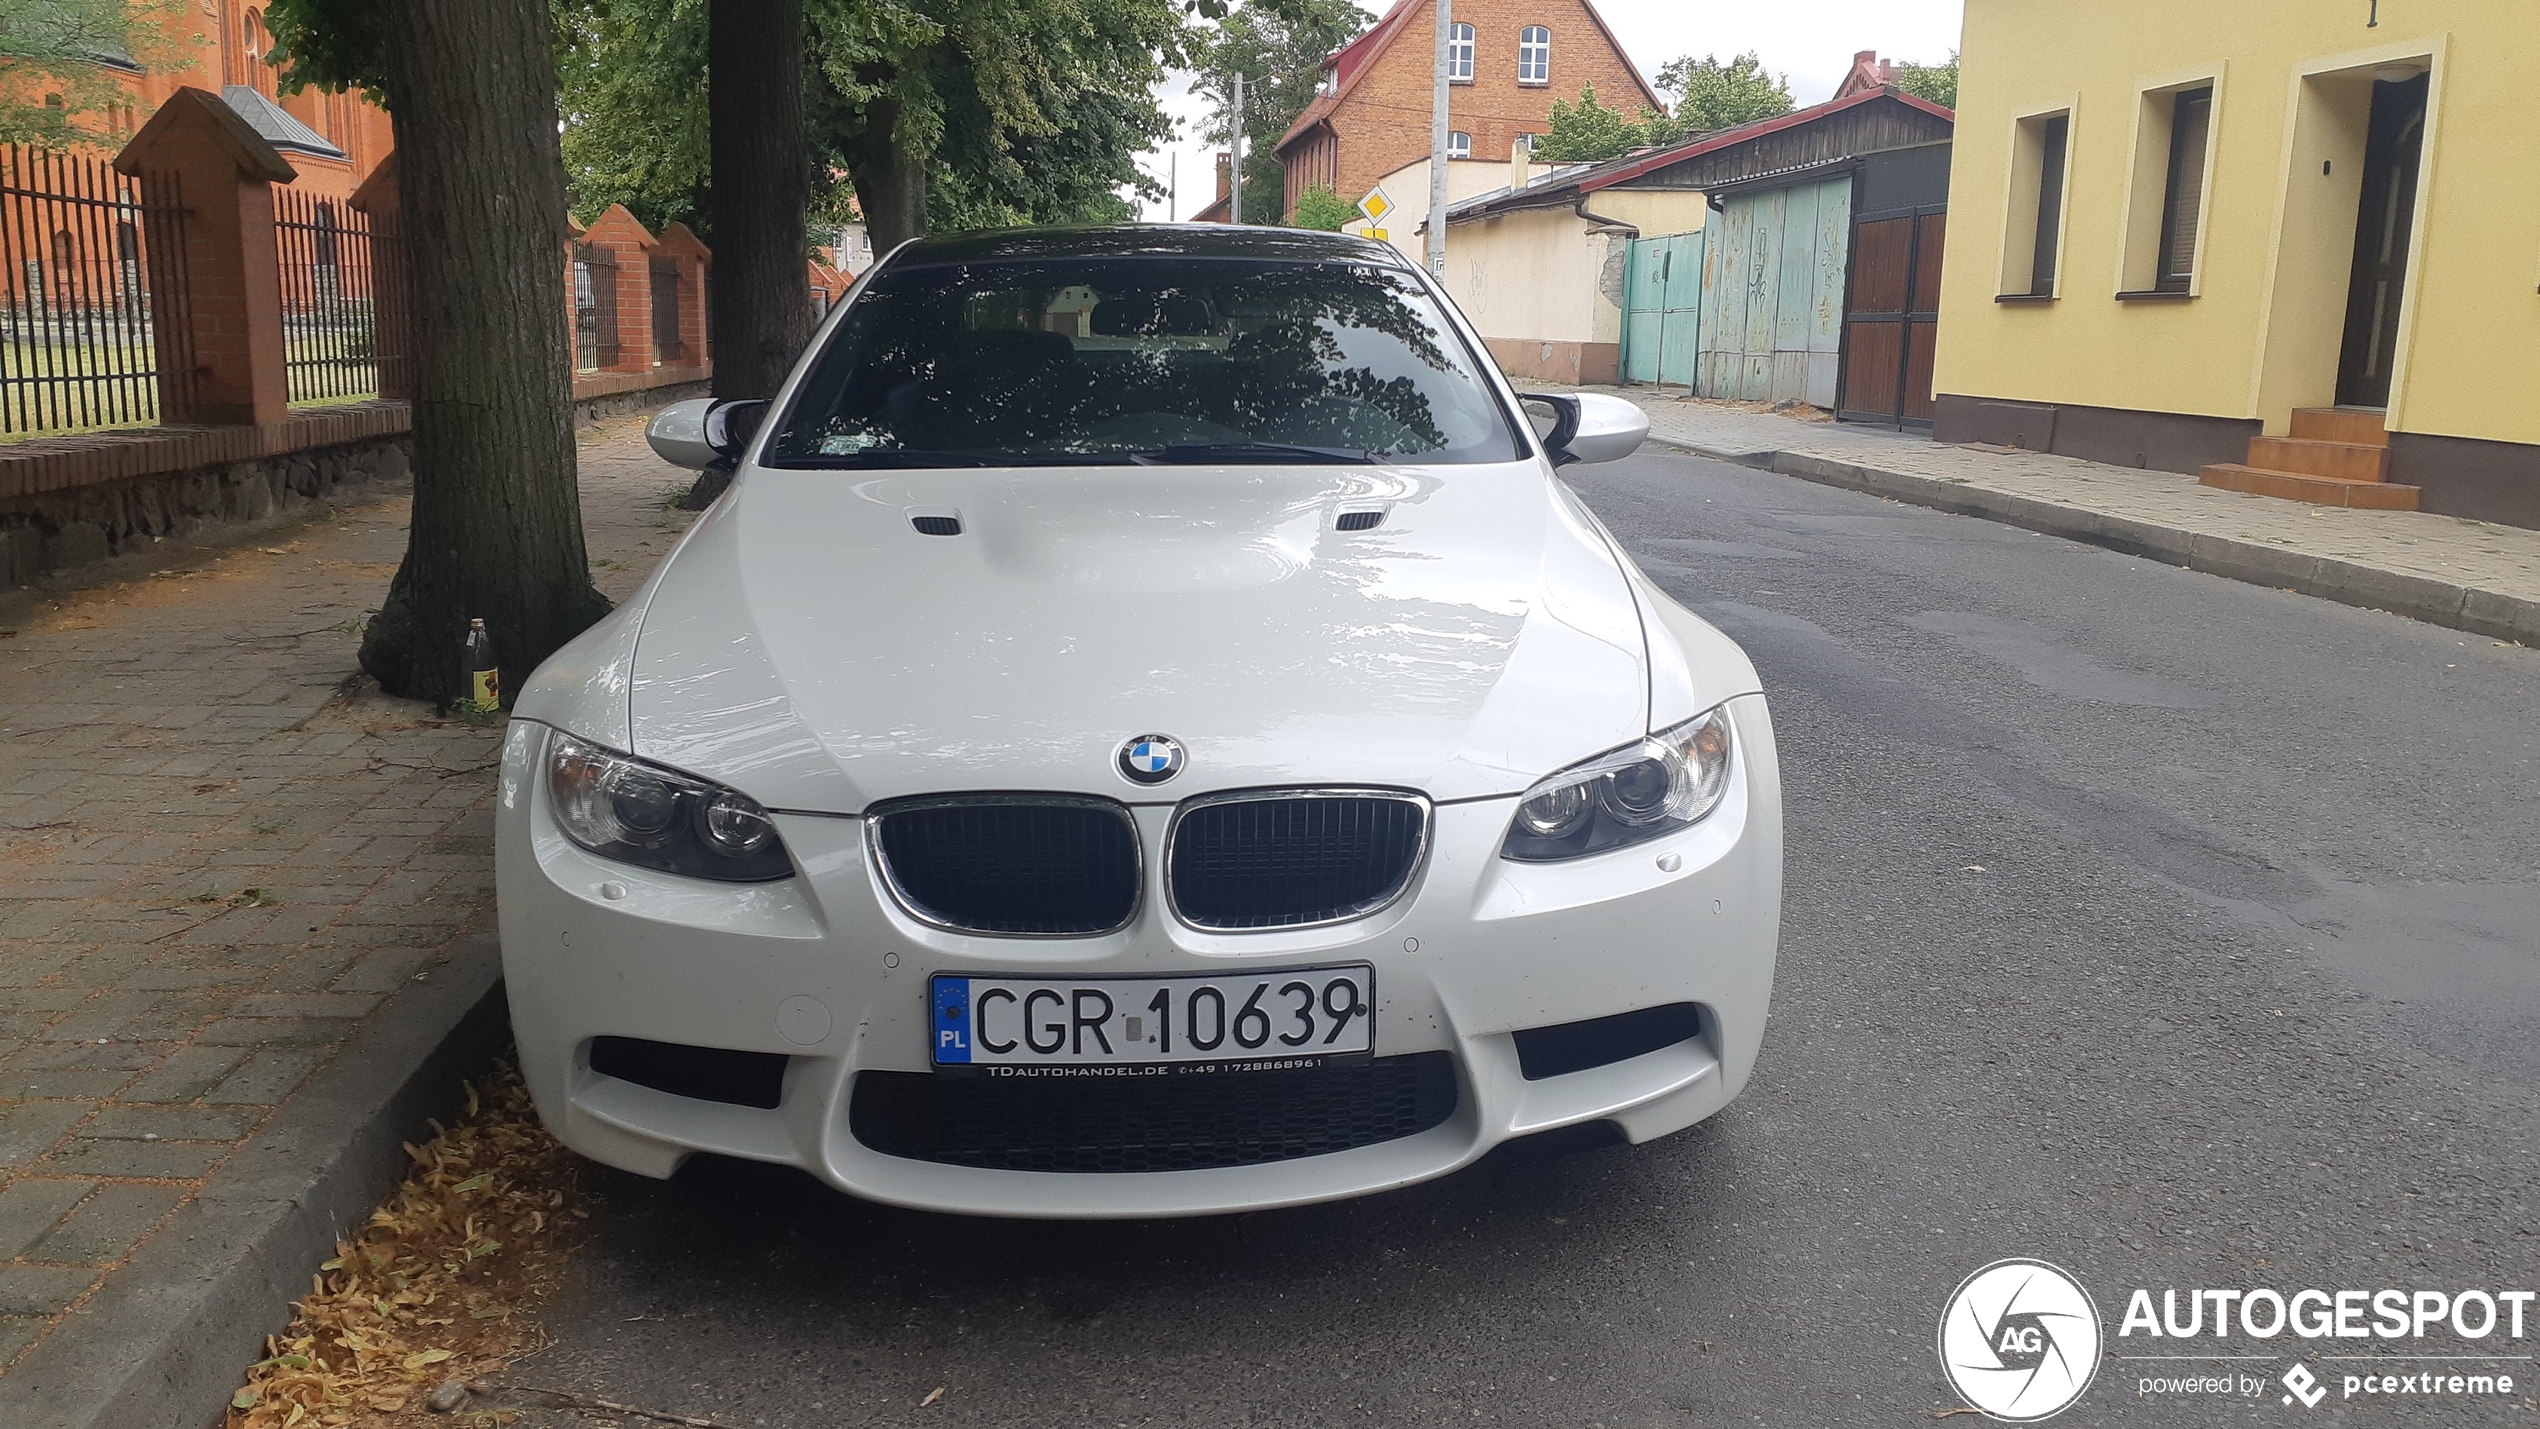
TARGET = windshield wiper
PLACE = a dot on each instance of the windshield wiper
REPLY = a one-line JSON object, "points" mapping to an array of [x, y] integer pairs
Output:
{"points": [[1202, 453]]}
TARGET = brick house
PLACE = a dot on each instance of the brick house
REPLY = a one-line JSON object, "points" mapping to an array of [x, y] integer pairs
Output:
{"points": [[1511, 60]]}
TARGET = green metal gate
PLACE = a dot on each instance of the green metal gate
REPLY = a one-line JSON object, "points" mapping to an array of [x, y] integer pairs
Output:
{"points": [[1662, 287]]}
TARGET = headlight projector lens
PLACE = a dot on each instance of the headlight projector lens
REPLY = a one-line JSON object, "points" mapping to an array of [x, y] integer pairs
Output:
{"points": [[622, 808], [1627, 796]]}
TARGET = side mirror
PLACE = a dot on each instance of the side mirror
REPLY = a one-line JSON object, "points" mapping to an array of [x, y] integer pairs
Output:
{"points": [[1585, 426], [701, 431]]}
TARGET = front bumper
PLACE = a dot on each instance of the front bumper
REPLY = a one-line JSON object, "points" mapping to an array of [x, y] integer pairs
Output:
{"points": [[825, 970]]}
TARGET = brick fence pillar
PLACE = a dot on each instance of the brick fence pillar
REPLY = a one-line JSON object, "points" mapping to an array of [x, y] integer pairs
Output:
{"points": [[392, 329], [625, 240], [691, 256], [220, 345]]}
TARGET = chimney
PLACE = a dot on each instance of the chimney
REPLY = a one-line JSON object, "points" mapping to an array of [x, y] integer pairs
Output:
{"points": [[1225, 174], [1521, 156]]}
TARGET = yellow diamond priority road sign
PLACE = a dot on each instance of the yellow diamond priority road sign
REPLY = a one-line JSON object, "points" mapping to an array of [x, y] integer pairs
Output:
{"points": [[1375, 205]]}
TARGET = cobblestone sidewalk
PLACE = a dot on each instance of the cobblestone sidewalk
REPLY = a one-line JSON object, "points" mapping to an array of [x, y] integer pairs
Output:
{"points": [[2332, 551], [221, 854]]}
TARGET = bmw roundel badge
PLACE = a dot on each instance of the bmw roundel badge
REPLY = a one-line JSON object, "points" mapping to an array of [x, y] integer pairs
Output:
{"points": [[1150, 759]]}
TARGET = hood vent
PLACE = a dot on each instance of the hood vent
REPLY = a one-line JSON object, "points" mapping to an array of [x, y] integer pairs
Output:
{"points": [[1359, 520], [936, 524]]}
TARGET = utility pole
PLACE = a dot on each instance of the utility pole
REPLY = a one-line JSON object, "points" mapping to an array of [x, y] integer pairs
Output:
{"points": [[1235, 181], [1437, 143], [1172, 186]]}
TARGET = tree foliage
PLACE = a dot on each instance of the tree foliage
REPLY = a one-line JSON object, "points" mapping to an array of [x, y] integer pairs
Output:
{"points": [[1280, 52], [983, 112], [55, 57], [1937, 83], [1590, 133], [631, 82], [331, 45], [1319, 207], [1708, 94]]}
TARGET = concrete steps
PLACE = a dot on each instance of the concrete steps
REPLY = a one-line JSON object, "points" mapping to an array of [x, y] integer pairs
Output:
{"points": [[2334, 456], [2318, 490], [2362, 425], [2349, 461]]}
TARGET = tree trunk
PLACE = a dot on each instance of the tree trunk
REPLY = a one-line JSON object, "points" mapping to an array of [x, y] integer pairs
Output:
{"points": [[890, 181], [762, 183], [497, 527]]}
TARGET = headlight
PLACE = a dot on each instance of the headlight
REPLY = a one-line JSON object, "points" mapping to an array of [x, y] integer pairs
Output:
{"points": [[640, 813], [1633, 794]]}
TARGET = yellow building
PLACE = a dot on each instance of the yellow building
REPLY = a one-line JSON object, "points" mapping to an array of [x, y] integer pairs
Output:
{"points": [[2175, 225]]}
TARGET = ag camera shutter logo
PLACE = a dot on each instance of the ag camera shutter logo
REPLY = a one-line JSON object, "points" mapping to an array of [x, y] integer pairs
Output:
{"points": [[2020, 1340]]}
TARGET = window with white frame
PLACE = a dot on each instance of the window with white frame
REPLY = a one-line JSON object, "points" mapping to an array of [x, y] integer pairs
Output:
{"points": [[1459, 145], [1534, 55], [1459, 53]]}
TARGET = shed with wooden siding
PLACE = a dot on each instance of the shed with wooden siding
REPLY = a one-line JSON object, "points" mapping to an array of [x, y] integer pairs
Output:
{"points": [[1786, 311]]}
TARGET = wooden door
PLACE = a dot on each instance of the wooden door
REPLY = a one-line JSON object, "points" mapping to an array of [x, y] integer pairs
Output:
{"points": [[1644, 276], [1891, 316], [2382, 230], [1680, 309], [1661, 318]]}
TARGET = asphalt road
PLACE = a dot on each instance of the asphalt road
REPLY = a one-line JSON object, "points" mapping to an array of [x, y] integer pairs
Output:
{"points": [[2180, 932]]}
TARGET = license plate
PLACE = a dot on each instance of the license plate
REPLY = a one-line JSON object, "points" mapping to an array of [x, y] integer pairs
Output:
{"points": [[1158, 1025]]}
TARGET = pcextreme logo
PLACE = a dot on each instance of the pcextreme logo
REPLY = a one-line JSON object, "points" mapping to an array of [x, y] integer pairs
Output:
{"points": [[2020, 1340]]}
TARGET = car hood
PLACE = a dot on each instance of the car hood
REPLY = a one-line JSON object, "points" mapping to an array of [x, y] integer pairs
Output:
{"points": [[809, 647]]}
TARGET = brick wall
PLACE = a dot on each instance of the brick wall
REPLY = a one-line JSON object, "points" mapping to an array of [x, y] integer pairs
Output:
{"points": [[71, 501], [1383, 122]]}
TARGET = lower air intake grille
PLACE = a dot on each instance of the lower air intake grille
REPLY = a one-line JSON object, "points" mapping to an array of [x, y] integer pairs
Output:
{"points": [[711, 1074], [1601, 1041], [1018, 864], [1291, 859], [1170, 1123]]}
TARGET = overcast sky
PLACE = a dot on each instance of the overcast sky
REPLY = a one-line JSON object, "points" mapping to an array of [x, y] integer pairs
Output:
{"points": [[1812, 43]]}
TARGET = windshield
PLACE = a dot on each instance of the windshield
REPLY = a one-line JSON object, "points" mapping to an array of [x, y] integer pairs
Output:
{"points": [[1069, 361]]}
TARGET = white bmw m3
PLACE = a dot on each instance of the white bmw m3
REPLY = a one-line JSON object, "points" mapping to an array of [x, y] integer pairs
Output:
{"points": [[1145, 732]]}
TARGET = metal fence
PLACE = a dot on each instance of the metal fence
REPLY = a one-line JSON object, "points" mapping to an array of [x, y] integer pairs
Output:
{"points": [[84, 281], [594, 307], [666, 344], [331, 328]]}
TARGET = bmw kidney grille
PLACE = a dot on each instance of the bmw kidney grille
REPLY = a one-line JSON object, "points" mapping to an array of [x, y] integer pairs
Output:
{"points": [[1294, 858], [1023, 865], [1020, 865]]}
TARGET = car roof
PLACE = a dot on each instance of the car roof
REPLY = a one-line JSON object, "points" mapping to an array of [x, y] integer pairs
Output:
{"points": [[1147, 240]]}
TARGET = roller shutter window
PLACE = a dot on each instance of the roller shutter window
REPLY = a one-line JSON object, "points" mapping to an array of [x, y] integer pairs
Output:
{"points": [[2182, 202]]}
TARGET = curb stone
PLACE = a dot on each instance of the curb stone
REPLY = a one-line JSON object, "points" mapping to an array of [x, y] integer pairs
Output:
{"points": [[2469, 608], [162, 1344]]}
